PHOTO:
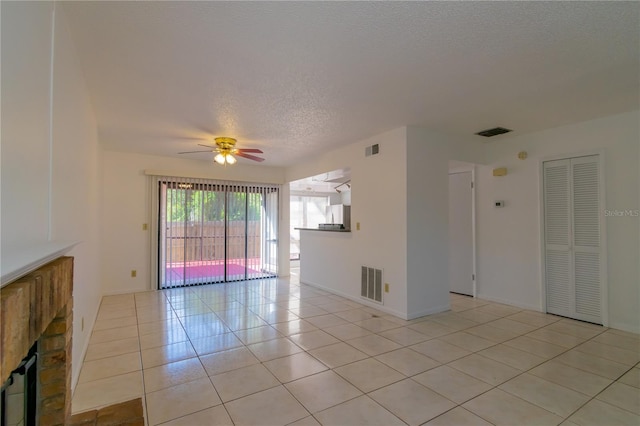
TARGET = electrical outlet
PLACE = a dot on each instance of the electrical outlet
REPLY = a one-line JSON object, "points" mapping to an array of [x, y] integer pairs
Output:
{"points": [[145, 226], [134, 273], [386, 287]]}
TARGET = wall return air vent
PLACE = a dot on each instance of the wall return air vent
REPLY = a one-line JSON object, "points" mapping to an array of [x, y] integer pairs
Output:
{"points": [[494, 132], [371, 287], [371, 150]]}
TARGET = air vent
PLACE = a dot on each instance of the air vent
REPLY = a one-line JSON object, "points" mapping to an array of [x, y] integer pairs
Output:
{"points": [[371, 287], [372, 150], [494, 132]]}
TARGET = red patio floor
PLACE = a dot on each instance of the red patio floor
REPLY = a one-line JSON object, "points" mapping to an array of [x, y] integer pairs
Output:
{"points": [[212, 270]]}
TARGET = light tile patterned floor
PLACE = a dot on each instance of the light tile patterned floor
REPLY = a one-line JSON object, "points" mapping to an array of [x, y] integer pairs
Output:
{"points": [[272, 352]]}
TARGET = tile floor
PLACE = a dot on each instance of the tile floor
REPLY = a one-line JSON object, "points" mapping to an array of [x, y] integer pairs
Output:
{"points": [[273, 352]]}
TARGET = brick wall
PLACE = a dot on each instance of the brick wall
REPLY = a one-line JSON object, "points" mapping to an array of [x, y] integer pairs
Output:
{"points": [[54, 368], [39, 307]]}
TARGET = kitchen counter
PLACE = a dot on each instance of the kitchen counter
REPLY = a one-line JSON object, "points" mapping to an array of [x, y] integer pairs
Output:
{"points": [[326, 260], [323, 230]]}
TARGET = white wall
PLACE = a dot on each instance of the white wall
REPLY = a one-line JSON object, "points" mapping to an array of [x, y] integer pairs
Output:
{"points": [[428, 157], [284, 235], [127, 198], [50, 153], [509, 256], [26, 74], [333, 260], [400, 198], [427, 218]]}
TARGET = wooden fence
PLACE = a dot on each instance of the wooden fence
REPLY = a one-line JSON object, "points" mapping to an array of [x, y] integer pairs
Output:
{"points": [[197, 241]]}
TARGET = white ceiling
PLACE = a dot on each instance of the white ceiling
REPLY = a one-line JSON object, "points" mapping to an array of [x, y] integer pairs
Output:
{"points": [[297, 78]]}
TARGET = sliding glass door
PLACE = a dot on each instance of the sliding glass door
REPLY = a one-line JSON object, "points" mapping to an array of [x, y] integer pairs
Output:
{"points": [[210, 232]]}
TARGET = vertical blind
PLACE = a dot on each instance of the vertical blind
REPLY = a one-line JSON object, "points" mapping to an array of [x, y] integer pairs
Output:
{"points": [[214, 231]]}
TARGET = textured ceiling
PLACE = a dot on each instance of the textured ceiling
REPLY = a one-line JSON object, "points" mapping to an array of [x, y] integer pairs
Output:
{"points": [[296, 78]]}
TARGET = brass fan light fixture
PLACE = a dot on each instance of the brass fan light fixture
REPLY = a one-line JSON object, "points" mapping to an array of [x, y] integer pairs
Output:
{"points": [[226, 150]]}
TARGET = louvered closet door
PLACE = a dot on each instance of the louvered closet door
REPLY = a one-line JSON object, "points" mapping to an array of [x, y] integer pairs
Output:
{"points": [[586, 238], [572, 238], [558, 259]]}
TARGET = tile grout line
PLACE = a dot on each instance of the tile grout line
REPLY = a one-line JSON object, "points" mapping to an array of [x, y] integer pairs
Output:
{"points": [[552, 358], [253, 309], [144, 385], [405, 377]]}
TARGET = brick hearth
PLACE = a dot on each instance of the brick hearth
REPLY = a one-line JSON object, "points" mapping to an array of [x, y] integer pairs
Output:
{"points": [[39, 308]]}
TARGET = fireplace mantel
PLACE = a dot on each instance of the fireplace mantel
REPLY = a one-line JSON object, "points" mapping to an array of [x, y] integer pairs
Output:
{"points": [[38, 307], [21, 261]]}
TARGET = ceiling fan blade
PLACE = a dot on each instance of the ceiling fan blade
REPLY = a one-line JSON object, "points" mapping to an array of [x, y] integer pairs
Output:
{"points": [[208, 146], [191, 152], [256, 150], [249, 156]]}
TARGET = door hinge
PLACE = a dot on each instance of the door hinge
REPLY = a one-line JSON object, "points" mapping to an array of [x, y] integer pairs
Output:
{"points": [[473, 277], [471, 185]]}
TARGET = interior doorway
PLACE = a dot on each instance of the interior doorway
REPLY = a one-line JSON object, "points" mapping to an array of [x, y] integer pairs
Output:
{"points": [[313, 201], [461, 233]]}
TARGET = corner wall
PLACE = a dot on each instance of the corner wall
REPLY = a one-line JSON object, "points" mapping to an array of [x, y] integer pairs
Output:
{"points": [[50, 152], [427, 218], [509, 239], [400, 197], [427, 169], [378, 192]]}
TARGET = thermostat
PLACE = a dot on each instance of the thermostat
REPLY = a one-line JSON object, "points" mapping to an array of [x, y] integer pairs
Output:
{"points": [[499, 204]]}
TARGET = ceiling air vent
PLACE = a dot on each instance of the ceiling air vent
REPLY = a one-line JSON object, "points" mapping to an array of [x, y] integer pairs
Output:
{"points": [[371, 150], [493, 132]]}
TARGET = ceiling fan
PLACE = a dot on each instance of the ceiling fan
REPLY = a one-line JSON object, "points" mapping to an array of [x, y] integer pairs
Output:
{"points": [[225, 148]]}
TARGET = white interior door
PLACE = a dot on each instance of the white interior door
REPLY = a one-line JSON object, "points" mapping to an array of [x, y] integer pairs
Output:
{"points": [[460, 233], [573, 257]]}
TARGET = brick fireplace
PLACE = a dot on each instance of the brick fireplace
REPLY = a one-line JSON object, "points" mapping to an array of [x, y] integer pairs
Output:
{"points": [[39, 308]]}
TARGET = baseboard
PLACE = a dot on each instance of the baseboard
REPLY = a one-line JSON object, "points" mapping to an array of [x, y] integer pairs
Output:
{"points": [[359, 299], [509, 302], [430, 311], [76, 376], [631, 328], [119, 292]]}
